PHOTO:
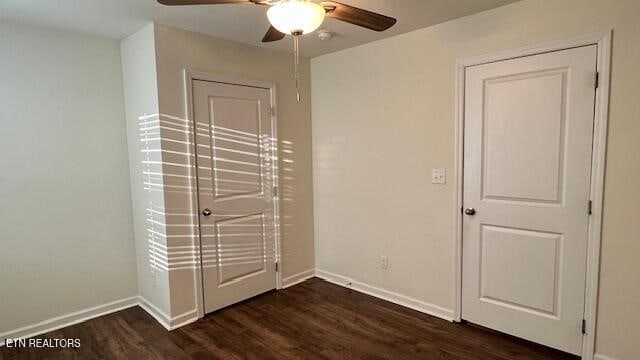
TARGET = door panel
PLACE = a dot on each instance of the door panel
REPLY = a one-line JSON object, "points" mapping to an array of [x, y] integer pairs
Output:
{"points": [[538, 101], [531, 258], [234, 151], [528, 141], [241, 245], [236, 146]]}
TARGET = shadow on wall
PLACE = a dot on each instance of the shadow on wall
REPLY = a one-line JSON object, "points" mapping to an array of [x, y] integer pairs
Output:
{"points": [[230, 164], [159, 174], [287, 169]]}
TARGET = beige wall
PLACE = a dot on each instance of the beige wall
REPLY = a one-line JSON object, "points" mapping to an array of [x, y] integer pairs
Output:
{"points": [[66, 238], [177, 50], [141, 107], [383, 117]]}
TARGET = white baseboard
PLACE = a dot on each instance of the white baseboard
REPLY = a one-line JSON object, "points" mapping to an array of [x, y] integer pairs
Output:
{"points": [[183, 319], [387, 295], [155, 312], [602, 357], [60, 322], [296, 279], [97, 311], [169, 323]]}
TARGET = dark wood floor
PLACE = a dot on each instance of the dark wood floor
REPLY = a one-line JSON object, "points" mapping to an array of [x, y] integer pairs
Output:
{"points": [[313, 320]]}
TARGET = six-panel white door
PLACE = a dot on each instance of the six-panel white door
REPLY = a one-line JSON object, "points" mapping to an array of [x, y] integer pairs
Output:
{"points": [[234, 149], [527, 153]]}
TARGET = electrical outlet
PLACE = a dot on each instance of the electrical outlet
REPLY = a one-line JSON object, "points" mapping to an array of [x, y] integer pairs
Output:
{"points": [[384, 262], [439, 176]]}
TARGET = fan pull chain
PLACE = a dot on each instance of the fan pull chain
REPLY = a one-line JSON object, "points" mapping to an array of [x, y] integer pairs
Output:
{"points": [[296, 50]]}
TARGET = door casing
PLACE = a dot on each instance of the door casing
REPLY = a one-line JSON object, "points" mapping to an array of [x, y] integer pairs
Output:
{"points": [[601, 119], [189, 77]]}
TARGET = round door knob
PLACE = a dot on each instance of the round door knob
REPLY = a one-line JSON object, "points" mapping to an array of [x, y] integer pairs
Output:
{"points": [[470, 211], [206, 212]]}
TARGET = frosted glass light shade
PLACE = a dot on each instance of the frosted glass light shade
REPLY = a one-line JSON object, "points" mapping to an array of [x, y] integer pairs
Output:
{"points": [[296, 16]]}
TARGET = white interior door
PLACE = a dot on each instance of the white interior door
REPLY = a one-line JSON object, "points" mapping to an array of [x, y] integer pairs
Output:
{"points": [[235, 180], [528, 144]]}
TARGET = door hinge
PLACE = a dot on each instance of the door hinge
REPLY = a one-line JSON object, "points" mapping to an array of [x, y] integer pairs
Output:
{"points": [[584, 326], [273, 111], [590, 207], [597, 80], [275, 191], [277, 267]]}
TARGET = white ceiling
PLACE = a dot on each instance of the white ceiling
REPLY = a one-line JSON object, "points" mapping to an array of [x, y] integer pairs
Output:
{"points": [[244, 23]]}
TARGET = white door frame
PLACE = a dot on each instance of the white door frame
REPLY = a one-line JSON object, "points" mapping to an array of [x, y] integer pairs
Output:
{"points": [[603, 42], [189, 77]]}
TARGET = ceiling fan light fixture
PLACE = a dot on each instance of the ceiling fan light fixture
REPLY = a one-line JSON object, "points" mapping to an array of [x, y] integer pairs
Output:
{"points": [[297, 17]]}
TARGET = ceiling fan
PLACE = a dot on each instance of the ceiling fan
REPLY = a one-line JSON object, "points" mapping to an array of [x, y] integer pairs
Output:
{"points": [[299, 17]]}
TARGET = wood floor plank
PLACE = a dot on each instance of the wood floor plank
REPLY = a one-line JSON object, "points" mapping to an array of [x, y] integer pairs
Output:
{"points": [[313, 320]]}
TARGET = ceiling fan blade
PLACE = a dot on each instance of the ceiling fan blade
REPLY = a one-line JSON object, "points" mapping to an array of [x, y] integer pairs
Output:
{"points": [[356, 16], [272, 35], [203, 2]]}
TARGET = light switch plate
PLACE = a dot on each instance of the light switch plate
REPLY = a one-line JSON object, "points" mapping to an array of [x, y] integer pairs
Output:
{"points": [[439, 176]]}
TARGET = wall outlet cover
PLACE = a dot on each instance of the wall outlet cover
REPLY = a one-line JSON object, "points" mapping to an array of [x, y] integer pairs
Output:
{"points": [[384, 262], [439, 176]]}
